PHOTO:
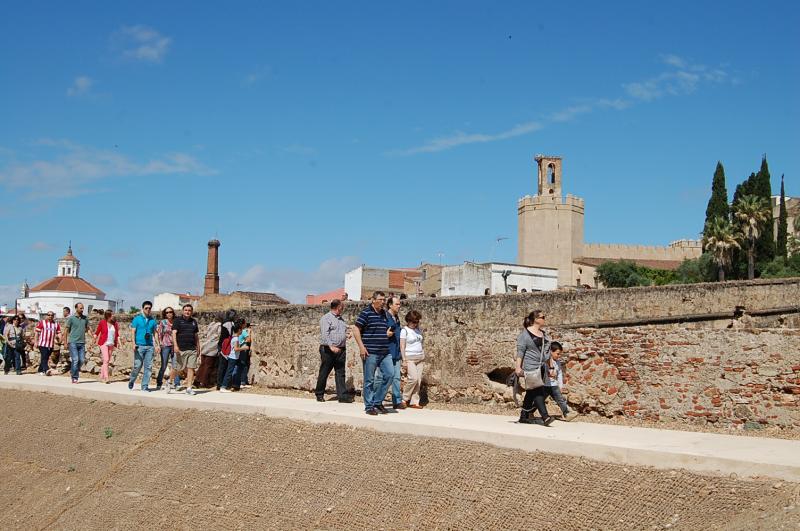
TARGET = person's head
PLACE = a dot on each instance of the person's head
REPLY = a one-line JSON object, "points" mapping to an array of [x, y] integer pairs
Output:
{"points": [[50, 316], [556, 350], [393, 303], [66, 311], [229, 316], [168, 313], [535, 317], [147, 307], [79, 308], [15, 321], [378, 300], [187, 310], [238, 325], [403, 296], [413, 318], [108, 315], [337, 306]]}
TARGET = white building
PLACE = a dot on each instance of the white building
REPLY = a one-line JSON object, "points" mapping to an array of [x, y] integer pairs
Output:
{"points": [[64, 289], [174, 300], [474, 279]]}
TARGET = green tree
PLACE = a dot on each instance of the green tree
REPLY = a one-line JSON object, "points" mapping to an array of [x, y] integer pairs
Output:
{"points": [[133, 309], [752, 213], [781, 250], [765, 241], [621, 274], [700, 269], [720, 241], [718, 202]]}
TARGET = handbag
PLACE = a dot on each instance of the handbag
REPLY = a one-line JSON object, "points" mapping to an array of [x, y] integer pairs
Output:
{"points": [[532, 379]]}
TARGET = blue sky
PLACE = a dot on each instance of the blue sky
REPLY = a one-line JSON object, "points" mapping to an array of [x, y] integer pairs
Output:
{"points": [[311, 137]]}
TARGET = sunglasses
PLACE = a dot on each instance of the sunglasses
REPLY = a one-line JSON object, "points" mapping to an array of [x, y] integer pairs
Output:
{"points": [[170, 312]]}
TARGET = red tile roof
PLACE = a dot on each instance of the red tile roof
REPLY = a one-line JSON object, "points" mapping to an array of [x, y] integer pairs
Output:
{"points": [[71, 284]]}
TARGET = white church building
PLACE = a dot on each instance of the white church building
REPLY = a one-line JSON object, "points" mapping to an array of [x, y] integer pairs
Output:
{"points": [[67, 288]]}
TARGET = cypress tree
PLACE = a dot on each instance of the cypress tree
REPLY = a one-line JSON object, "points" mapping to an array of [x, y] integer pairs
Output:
{"points": [[718, 202], [765, 247], [782, 227]]}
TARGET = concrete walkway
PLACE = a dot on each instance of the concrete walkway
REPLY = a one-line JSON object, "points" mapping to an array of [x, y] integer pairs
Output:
{"points": [[666, 449]]}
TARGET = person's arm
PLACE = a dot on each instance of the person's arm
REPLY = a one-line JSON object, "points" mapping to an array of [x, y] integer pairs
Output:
{"points": [[361, 348], [133, 331], [65, 336], [197, 338], [520, 355], [97, 334], [175, 348], [36, 333]]}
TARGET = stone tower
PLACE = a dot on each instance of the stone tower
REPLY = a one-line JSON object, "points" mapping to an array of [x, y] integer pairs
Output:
{"points": [[550, 232], [212, 271]]}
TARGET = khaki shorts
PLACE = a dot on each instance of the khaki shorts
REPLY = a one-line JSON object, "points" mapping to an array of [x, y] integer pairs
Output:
{"points": [[186, 359]]}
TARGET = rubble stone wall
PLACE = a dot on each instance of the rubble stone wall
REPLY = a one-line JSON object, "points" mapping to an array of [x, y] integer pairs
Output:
{"points": [[726, 353]]}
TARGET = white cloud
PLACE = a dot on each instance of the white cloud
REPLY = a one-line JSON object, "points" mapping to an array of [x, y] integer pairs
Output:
{"points": [[80, 86], [683, 78], [299, 149], [8, 294], [291, 284], [255, 76], [40, 246], [70, 168], [142, 43], [460, 138]]}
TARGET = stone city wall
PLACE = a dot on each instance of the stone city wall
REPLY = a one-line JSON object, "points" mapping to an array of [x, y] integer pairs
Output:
{"points": [[726, 353]]}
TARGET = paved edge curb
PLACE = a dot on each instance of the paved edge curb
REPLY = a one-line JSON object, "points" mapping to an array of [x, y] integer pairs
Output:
{"points": [[658, 459]]}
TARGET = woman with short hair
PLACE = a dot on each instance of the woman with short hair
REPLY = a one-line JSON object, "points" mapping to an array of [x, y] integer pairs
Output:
{"points": [[533, 353], [106, 336], [15, 345], [413, 356]]}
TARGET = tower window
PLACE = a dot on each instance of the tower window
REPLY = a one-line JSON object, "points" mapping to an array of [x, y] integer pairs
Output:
{"points": [[551, 173]]}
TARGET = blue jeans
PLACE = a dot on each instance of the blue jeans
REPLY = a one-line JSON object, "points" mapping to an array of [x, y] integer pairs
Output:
{"points": [[77, 355], [555, 392], [166, 356], [375, 391], [397, 397], [231, 377], [142, 355]]}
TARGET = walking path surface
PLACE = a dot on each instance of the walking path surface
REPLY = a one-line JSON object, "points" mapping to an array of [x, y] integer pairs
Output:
{"points": [[665, 449]]}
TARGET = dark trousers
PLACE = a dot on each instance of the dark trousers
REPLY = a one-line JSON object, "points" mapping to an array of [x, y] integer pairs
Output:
{"points": [[244, 367], [166, 355], [329, 360], [44, 358], [222, 368], [9, 358], [534, 396], [231, 377]]}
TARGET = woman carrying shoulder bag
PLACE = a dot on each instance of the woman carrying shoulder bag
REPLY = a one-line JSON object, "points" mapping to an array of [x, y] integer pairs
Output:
{"points": [[533, 352]]}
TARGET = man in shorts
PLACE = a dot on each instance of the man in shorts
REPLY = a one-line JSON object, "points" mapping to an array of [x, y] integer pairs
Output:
{"points": [[186, 342]]}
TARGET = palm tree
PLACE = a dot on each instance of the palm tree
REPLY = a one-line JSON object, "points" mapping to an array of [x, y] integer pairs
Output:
{"points": [[751, 212], [720, 240]]}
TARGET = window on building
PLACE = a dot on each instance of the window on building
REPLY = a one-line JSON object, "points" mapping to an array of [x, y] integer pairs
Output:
{"points": [[551, 174], [512, 288]]}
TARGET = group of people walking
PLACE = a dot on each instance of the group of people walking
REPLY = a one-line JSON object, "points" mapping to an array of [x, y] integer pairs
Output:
{"points": [[385, 344]]}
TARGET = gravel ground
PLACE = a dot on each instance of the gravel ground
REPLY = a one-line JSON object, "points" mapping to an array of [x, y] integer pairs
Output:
{"points": [[70, 463]]}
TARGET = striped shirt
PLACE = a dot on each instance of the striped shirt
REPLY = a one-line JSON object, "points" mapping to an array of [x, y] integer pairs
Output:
{"points": [[47, 333], [373, 326]]}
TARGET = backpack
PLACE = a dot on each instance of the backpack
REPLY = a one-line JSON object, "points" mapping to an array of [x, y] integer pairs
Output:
{"points": [[209, 339], [225, 339]]}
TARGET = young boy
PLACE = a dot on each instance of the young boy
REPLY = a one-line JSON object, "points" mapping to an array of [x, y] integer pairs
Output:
{"points": [[557, 380]]}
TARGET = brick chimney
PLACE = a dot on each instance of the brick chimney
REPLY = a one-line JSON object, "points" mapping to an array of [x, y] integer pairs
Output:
{"points": [[212, 274]]}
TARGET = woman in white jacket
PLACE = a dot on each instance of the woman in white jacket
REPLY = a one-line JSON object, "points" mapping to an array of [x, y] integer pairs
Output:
{"points": [[414, 357]]}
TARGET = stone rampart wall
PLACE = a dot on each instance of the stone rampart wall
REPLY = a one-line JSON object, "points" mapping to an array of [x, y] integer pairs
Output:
{"points": [[638, 252], [698, 353]]}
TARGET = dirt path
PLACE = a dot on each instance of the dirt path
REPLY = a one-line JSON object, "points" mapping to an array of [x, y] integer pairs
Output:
{"points": [[77, 464]]}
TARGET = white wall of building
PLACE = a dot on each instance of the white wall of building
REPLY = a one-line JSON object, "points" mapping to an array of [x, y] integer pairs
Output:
{"points": [[162, 300], [53, 302], [352, 283], [473, 279]]}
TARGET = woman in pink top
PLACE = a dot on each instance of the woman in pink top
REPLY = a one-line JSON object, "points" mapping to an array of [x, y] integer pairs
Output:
{"points": [[107, 338], [164, 333]]}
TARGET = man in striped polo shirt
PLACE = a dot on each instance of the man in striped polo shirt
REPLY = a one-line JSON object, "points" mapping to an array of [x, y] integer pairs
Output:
{"points": [[372, 333], [46, 333]]}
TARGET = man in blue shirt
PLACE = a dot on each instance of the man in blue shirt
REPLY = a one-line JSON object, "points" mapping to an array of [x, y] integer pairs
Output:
{"points": [[393, 320], [372, 333], [143, 326]]}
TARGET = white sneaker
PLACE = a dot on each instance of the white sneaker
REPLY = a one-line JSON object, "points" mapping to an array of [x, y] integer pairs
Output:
{"points": [[169, 388], [224, 390], [190, 391]]}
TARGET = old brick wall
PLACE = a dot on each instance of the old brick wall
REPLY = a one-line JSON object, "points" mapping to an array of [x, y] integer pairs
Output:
{"points": [[656, 353]]}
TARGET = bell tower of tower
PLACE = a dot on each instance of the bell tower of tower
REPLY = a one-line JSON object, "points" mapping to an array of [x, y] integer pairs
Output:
{"points": [[550, 226]]}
